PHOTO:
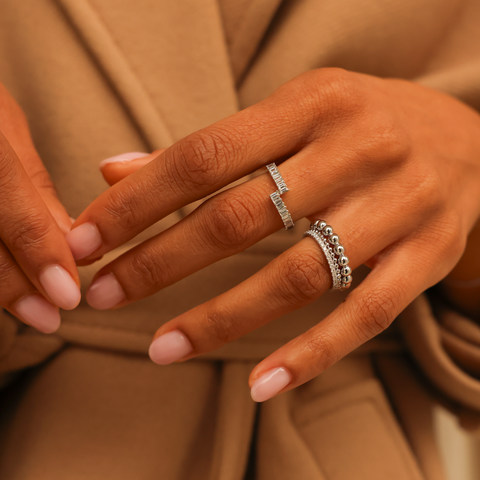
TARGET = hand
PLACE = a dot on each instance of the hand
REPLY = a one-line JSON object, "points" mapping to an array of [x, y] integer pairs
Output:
{"points": [[37, 270], [393, 166]]}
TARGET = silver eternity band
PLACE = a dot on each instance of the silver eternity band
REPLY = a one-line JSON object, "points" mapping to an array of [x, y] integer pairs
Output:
{"points": [[275, 196], [334, 252]]}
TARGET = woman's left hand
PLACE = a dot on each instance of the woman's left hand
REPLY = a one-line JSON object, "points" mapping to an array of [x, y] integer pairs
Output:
{"points": [[393, 166]]}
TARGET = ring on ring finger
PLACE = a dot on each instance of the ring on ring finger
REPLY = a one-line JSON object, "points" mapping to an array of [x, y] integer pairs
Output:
{"points": [[334, 252]]}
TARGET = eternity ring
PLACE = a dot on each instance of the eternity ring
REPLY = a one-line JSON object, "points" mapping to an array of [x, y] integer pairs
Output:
{"points": [[275, 196], [334, 252]]}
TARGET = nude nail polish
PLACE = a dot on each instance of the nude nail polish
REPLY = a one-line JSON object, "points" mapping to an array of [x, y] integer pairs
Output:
{"points": [[38, 312], [270, 383], [169, 347], [124, 157], [105, 292], [60, 286], [84, 240]]}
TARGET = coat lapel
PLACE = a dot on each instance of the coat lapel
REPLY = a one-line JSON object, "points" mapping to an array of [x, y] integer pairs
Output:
{"points": [[166, 60]]}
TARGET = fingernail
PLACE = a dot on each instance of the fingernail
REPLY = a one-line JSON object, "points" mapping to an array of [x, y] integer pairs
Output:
{"points": [[60, 286], [169, 347], [124, 157], [84, 240], [270, 383], [105, 292], [38, 312]]}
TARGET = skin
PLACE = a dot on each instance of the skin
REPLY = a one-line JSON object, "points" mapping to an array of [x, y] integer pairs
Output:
{"points": [[393, 166], [33, 222]]}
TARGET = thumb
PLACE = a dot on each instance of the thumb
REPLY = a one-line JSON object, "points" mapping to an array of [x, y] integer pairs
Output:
{"points": [[116, 168]]}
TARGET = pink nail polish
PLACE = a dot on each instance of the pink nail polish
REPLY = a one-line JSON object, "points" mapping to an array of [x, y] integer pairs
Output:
{"points": [[38, 312], [270, 383], [60, 286], [84, 240], [124, 157], [105, 292], [169, 347]]}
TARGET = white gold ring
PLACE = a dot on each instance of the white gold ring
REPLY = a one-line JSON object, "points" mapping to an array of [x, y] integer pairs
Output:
{"points": [[334, 252], [275, 196]]}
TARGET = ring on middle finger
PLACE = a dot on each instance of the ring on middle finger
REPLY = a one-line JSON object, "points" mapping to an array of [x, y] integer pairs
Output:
{"points": [[275, 196]]}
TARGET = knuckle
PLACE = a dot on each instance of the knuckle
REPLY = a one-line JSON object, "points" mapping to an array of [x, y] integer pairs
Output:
{"points": [[220, 326], [199, 162], [377, 310], [232, 221], [428, 190], [304, 277], [342, 91], [124, 208], [331, 93], [28, 232], [321, 350], [386, 142], [149, 272]]}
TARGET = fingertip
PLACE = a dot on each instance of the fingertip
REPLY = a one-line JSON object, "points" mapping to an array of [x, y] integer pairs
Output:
{"points": [[39, 313]]}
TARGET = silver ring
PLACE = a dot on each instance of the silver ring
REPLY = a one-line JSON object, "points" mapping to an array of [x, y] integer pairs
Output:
{"points": [[277, 177], [334, 252], [275, 196]]}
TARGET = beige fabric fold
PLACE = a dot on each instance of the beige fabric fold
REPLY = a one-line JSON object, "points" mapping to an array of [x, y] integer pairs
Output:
{"points": [[195, 421]]}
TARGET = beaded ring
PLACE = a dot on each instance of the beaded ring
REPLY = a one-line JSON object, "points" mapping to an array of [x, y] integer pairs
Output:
{"points": [[334, 252]]}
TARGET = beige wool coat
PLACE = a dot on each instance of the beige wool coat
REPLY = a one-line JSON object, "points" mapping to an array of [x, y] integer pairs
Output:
{"points": [[98, 78]]}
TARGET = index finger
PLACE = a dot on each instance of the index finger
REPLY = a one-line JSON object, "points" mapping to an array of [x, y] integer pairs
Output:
{"points": [[199, 165]]}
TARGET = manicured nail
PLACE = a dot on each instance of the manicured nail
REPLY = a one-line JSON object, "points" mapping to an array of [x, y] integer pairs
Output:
{"points": [[169, 347], [105, 292], [60, 286], [84, 240], [38, 312], [270, 383], [124, 157]]}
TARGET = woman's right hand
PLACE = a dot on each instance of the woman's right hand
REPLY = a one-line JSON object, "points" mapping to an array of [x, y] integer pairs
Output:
{"points": [[37, 270]]}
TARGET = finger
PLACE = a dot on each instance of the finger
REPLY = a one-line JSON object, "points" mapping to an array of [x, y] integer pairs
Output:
{"points": [[32, 236], [292, 280], [224, 225], [44, 185], [14, 127], [117, 168], [368, 310], [19, 296], [202, 163]]}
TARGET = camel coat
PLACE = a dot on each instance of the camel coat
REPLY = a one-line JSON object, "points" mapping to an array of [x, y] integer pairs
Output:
{"points": [[98, 78]]}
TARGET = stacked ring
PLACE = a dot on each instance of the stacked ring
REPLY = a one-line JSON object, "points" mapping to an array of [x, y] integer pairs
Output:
{"points": [[275, 196], [334, 252]]}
